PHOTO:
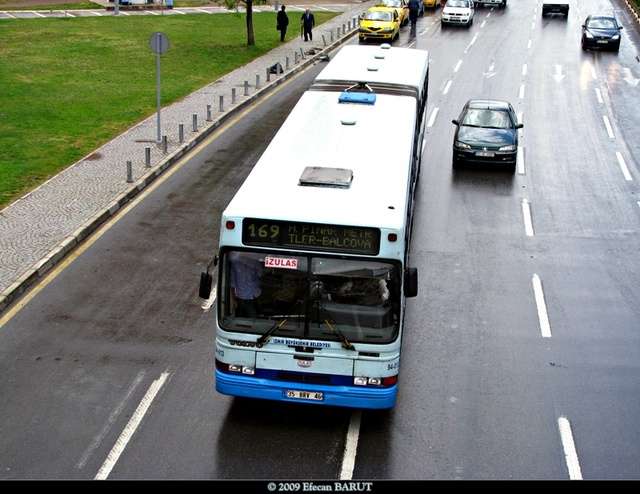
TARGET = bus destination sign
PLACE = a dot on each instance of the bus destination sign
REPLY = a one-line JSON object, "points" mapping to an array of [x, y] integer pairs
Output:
{"points": [[311, 236]]}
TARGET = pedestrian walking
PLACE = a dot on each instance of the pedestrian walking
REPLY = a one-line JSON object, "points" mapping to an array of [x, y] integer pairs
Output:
{"points": [[414, 12], [282, 23], [307, 21]]}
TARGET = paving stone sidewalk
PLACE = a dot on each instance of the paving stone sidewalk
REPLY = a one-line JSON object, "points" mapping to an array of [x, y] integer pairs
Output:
{"points": [[38, 229]]}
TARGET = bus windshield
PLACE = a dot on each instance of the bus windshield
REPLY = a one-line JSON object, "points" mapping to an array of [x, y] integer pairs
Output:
{"points": [[309, 296]]}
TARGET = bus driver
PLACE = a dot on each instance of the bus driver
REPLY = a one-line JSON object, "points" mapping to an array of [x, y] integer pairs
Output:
{"points": [[246, 274]]}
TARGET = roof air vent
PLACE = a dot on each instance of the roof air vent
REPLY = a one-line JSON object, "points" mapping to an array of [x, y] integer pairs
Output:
{"points": [[379, 56], [318, 176], [372, 68], [385, 46]]}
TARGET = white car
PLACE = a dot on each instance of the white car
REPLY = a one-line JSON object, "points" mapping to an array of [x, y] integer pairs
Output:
{"points": [[501, 3], [457, 12]]}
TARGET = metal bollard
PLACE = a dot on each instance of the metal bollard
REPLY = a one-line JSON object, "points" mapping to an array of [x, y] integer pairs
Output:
{"points": [[324, 41], [246, 88], [268, 75], [195, 122], [221, 106], [165, 144], [286, 63], [301, 53], [331, 35], [233, 96], [181, 133], [208, 113], [129, 173], [338, 32], [257, 81], [295, 57], [343, 29], [147, 157]]}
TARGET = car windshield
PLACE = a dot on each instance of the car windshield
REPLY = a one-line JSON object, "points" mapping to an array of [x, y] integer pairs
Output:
{"points": [[378, 16], [602, 23], [483, 117], [309, 297], [391, 3], [457, 3]]}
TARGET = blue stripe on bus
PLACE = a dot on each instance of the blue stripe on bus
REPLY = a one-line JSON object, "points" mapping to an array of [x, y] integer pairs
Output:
{"points": [[340, 396]]}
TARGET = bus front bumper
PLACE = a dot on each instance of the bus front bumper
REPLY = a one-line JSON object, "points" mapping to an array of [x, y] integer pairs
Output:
{"points": [[339, 396]]}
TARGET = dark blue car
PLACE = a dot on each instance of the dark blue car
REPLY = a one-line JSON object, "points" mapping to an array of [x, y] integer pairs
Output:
{"points": [[601, 31], [487, 133]]}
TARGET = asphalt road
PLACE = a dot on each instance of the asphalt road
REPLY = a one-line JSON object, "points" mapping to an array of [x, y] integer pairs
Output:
{"points": [[107, 371]]}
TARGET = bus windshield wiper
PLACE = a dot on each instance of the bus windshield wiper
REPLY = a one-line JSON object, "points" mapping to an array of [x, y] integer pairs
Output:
{"points": [[263, 339], [345, 342]]}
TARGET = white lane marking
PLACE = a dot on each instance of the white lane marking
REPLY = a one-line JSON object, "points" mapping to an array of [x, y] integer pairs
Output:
{"points": [[594, 74], [488, 15], [558, 75], [520, 116], [570, 454], [411, 45], [351, 447], [457, 67], [204, 11], [321, 8], [432, 118], [526, 215], [211, 300], [473, 40], [37, 13], [180, 12], [607, 124], [521, 93], [423, 32], [529, 45], [131, 427], [599, 95], [524, 69], [447, 87], [623, 167], [543, 317], [152, 12], [110, 421], [484, 23], [9, 15], [520, 160], [123, 12], [68, 14], [96, 13], [533, 25]]}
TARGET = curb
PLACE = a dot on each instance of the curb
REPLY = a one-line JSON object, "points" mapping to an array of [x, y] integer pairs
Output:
{"points": [[635, 12], [58, 253]]}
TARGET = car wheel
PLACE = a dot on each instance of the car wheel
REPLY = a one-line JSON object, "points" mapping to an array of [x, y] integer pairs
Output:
{"points": [[504, 4], [616, 48], [584, 46], [471, 22], [455, 164], [512, 168]]}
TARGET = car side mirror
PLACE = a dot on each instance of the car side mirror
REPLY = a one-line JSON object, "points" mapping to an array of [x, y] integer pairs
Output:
{"points": [[620, 27], [455, 122], [410, 282], [584, 26], [519, 126]]}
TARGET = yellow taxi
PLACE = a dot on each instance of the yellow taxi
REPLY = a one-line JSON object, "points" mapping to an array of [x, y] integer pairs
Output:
{"points": [[400, 6], [433, 4], [379, 23]]}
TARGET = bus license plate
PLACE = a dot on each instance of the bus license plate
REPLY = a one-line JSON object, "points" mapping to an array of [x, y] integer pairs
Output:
{"points": [[304, 395], [485, 154]]}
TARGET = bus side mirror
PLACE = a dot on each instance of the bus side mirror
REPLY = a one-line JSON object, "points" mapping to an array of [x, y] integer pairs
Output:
{"points": [[519, 126], [206, 282], [410, 282]]}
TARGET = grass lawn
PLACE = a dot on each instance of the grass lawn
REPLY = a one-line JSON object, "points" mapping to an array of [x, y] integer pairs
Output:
{"points": [[70, 85]]}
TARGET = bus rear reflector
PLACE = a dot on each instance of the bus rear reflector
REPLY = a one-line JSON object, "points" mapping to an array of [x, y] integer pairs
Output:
{"points": [[230, 225], [392, 237], [389, 381]]}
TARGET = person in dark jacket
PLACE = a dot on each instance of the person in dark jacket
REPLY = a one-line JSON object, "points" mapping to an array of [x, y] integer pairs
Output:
{"points": [[308, 21], [414, 12], [282, 23]]}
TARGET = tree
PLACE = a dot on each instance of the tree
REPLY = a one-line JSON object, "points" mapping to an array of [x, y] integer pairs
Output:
{"points": [[233, 4]]}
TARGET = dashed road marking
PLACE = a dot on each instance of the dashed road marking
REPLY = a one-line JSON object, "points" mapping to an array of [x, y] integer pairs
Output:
{"points": [[351, 447], [520, 160], [484, 23], [432, 117], [529, 45], [524, 69], [569, 447], [623, 167], [599, 95], [543, 316], [131, 427], [607, 124], [447, 87], [526, 216], [521, 92], [457, 67]]}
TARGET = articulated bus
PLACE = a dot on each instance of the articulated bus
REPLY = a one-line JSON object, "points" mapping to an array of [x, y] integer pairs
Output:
{"points": [[313, 260]]}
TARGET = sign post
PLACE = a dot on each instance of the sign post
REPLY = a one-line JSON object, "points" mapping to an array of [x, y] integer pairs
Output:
{"points": [[159, 44]]}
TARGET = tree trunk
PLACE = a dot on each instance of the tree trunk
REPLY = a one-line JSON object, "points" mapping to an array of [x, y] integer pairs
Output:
{"points": [[250, 37]]}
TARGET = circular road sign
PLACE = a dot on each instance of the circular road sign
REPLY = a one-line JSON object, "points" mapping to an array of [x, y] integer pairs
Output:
{"points": [[159, 43]]}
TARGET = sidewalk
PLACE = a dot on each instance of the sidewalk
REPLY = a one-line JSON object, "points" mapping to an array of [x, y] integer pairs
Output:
{"points": [[39, 229]]}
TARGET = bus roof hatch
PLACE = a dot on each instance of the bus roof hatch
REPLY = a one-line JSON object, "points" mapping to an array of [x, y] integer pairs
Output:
{"points": [[318, 176]]}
